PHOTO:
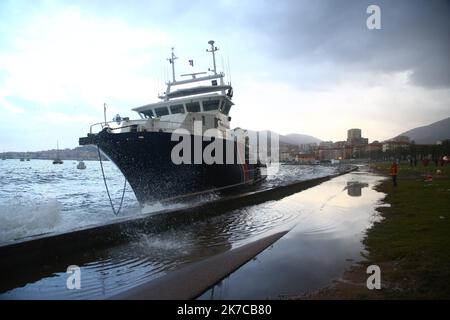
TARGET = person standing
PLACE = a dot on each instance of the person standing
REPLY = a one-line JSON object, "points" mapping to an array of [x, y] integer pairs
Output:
{"points": [[394, 172]]}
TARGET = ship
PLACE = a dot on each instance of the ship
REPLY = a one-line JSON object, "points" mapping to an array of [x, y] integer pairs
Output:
{"points": [[193, 111]]}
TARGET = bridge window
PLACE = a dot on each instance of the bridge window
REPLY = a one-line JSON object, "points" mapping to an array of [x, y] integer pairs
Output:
{"points": [[148, 113], [210, 105], [177, 108], [226, 107], [163, 111], [193, 107]]}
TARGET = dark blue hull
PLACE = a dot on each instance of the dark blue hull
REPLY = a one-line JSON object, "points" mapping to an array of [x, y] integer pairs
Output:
{"points": [[145, 160]]}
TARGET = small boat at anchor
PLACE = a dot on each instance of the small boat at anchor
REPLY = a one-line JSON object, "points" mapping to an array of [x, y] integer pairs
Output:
{"points": [[81, 165]]}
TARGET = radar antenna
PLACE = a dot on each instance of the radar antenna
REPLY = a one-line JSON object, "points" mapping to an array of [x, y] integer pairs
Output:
{"points": [[213, 50], [172, 62]]}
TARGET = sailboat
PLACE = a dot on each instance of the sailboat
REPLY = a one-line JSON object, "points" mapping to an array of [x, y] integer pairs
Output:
{"points": [[57, 160]]}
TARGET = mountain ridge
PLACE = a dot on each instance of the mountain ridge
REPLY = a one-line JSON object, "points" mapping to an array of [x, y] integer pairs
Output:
{"points": [[429, 134]]}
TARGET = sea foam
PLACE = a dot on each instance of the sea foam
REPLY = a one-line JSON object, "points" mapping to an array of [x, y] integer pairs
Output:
{"points": [[21, 220]]}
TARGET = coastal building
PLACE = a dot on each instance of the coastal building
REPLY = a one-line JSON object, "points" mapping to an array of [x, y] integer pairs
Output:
{"points": [[353, 133], [394, 145], [334, 153], [326, 144], [354, 138], [402, 139], [307, 147], [305, 158], [286, 156], [340, 144], [375, 146]]}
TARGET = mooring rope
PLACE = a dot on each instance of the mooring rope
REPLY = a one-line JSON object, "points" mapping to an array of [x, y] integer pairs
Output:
{"points": [[106, 185]]}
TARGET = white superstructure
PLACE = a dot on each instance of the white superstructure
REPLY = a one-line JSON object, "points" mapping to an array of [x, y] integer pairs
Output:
{"points": [[204, 98]]}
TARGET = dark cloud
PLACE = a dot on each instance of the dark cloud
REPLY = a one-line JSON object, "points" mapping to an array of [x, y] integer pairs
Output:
{"points": [[414, 36]]}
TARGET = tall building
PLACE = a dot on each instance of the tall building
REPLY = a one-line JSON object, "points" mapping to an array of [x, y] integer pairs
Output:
{"points": [[354, 138], [353, 133]]}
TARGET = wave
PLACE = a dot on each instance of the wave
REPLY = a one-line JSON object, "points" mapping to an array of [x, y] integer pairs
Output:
{"points": [[20, 220]]}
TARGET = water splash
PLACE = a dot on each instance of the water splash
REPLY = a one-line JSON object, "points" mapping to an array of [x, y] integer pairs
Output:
{"points": [[19, 220]]}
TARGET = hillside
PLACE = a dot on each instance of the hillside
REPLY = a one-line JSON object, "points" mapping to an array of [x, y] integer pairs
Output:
{"points": [[431, 133], [297, 139]]}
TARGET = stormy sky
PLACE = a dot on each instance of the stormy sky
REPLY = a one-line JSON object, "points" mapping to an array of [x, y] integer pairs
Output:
{"points": [[296, 66]]}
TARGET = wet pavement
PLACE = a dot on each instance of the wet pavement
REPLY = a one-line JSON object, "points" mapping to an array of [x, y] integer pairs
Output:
{"points": [[326, 240]]}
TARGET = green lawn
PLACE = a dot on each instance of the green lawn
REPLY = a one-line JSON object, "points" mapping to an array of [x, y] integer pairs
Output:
{"points": [[413, 239]]}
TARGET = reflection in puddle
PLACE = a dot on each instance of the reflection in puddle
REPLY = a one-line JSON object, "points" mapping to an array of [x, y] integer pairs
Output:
{"points": [[354, 188], [327, 238]]}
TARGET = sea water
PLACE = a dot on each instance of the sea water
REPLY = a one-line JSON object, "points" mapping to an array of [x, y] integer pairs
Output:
{"points": [[38, 197]]}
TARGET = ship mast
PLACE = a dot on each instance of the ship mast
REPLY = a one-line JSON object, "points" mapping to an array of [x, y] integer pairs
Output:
{"points": [[172, 62], [213, 50], [220, 76]]}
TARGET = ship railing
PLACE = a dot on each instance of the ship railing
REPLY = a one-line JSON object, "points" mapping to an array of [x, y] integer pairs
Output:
{"points": [[109, 124], [165, 125], [155, 125]]}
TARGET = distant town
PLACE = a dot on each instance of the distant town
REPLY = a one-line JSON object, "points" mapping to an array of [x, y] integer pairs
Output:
{"points": [[428, 143], [78, 153], [358, 147]]}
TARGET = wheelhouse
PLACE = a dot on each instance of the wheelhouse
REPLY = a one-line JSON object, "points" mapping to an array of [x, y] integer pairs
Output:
{"points": [[201, 97], [207, 104]]}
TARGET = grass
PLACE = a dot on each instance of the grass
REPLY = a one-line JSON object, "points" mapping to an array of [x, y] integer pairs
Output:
{"points": [[412, 241]]}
